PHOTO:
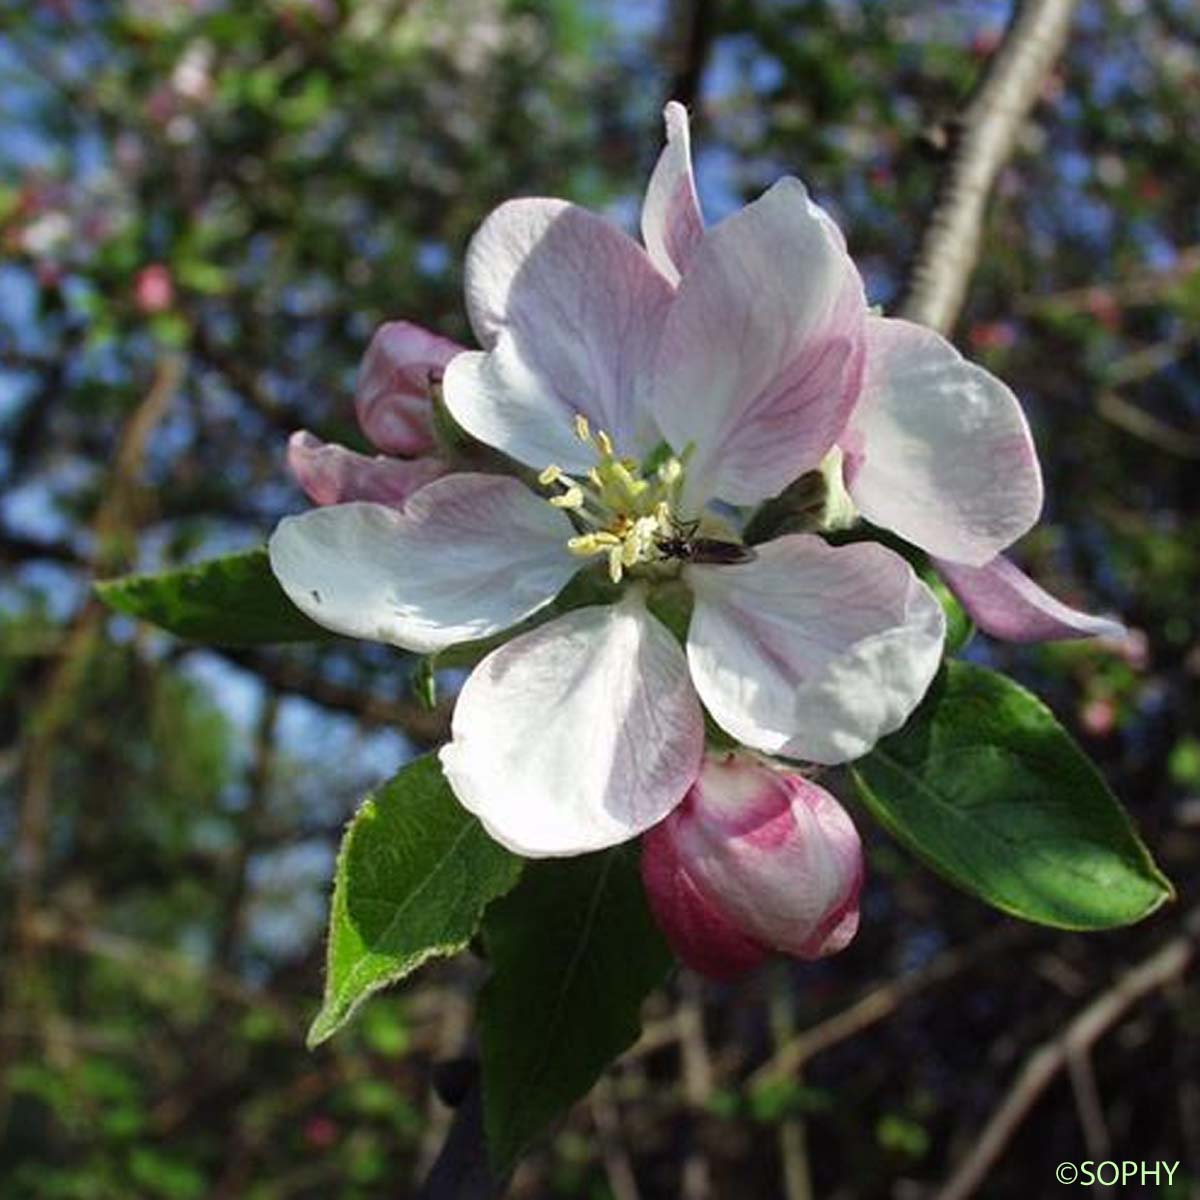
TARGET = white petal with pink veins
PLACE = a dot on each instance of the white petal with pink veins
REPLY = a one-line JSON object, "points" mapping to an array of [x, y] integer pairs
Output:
{"points": [[391, 398], [569, 310], [470, 555], [672, 225], [578, 735], [331, 474], [813, 651], [942, 453], [761, 354], [1004, 602]]}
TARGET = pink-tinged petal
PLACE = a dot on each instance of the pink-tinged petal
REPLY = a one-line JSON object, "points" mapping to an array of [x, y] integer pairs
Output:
{"points": [[392, 398], [577, 735], [470, 555], [1004, 602], [943, 453], [774, 855], [569, 310], [672, 224], [702, 936], [761, 354], [813, 651], [331, 474]]}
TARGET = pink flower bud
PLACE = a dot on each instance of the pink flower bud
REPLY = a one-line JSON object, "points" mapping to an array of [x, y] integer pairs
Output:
{"points": [[392, 399], [153, 290], [753, 862], [332, 474]]}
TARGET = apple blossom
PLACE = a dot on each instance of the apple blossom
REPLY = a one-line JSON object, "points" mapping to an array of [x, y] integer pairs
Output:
{"points": [[753, 861], [640, 413], [393, 403], [937, 449]]}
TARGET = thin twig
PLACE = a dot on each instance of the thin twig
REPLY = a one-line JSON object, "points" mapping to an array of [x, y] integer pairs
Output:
{"points": [[792, 1134], [1043, 1066], [982, 143], [697, 1084], [606, 1117], [1130, 417], [697, 19], [878, 1003]]}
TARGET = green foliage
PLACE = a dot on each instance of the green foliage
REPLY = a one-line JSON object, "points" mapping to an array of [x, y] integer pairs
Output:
{"points": [[574, 952], [987, 788], [414, 875], [229, 601]]}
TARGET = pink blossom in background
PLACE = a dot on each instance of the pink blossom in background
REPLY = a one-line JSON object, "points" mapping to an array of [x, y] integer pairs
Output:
{"points": [[153, 289]]}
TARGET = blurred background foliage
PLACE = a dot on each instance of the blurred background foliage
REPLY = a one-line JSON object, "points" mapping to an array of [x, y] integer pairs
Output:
{"points": [[205, 208]]}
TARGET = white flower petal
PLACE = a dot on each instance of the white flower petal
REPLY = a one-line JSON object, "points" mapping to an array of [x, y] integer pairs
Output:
{"points": [[672, 224], [1004, 602], [578, 735], [813, 651], [569, 309], [940, 450], [470, 555], [761, 354]]}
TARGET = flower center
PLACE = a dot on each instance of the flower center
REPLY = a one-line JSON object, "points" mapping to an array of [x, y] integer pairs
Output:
{"points": [[621, 510]]}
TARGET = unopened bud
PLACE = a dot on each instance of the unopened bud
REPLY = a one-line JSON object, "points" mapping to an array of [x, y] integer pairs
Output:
{"points": [[753, 862]]}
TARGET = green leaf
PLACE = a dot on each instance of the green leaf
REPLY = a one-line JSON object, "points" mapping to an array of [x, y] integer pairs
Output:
{"points": [[574, 951], [229, 601], [987, 788], [960, 629], [414, 874]]}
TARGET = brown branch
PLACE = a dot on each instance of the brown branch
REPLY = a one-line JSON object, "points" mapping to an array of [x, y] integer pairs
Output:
{"points": [[49, 929], [1151, 285], [423, 726], [112, 526], [1044, 1065], [698, 18], [878, 1004], [258, 787], [982, 143]]}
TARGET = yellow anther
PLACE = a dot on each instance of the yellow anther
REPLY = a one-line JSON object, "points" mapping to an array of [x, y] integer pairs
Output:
{"points": [[571, 498], [627, 480], [583, 545], [621, 511], [670, 470]]}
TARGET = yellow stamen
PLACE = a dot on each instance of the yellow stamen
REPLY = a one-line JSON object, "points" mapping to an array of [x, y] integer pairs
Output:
{"points": [[619, 512], [571, 498], [670, 470]]}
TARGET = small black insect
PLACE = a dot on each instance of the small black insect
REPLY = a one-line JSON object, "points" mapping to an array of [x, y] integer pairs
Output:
{"points": [[683, 544]]}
